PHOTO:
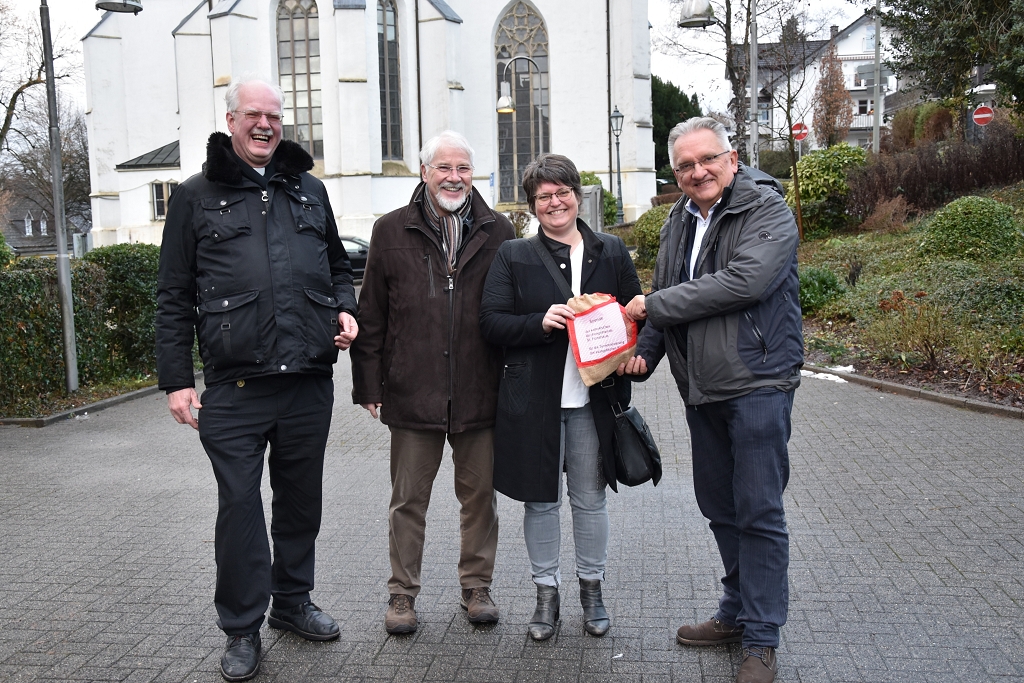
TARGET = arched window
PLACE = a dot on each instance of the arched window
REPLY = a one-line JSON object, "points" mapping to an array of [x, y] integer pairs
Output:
{"points": [[525, 133], [42, 225], [298, 53], [390, 84], [28, 224]]}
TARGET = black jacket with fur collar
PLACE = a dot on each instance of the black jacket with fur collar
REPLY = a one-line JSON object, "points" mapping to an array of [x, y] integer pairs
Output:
{"points": [[259, 274]]}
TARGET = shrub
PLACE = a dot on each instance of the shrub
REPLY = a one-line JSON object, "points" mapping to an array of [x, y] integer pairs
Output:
{"points": [[131, 273], [6, 253], [923, 114], [647, 232], [930, 175], [888, 216], [823, 188], [973, 228], [910, 328], [31, 346], [775, 163], [610, 205], [902, 127], [818, 286]]}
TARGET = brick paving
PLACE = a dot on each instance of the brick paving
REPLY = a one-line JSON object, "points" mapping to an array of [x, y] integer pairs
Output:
{"points": [[907, 560]]}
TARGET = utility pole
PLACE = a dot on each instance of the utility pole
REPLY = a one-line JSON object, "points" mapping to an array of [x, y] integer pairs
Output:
{"points": [[878, 78]]}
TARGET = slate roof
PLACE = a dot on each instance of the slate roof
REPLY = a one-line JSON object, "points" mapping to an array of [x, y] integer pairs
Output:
{"points": [[168, 156]]}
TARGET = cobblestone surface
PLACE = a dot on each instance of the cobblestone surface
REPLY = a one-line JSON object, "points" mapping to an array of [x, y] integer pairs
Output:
{"points": [[905, 516]]}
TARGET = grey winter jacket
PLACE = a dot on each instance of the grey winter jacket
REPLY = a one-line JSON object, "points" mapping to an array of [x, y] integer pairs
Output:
{"points": [[736, 326]]}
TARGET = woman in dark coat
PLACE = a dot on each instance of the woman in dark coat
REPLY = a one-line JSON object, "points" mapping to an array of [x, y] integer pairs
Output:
{"points": [[548, 421]]}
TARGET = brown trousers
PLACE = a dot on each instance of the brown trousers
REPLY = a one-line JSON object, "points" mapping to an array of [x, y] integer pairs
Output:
{"points": [[415, 460]]}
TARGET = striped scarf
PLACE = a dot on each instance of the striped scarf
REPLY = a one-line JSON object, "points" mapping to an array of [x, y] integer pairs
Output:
{"points": [[449, 227]]}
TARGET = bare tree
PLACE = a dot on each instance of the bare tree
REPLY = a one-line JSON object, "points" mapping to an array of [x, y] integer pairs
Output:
{"points": [[21, 65], [25, 165], [833, 108]]}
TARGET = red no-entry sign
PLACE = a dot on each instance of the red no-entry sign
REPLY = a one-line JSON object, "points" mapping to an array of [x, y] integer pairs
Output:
{"points": [[983, 115], [799, 131]]}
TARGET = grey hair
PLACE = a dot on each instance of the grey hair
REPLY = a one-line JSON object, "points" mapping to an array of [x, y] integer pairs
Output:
{"points": [[449, 139], [551, 168], [231, 96], [691, 125]]}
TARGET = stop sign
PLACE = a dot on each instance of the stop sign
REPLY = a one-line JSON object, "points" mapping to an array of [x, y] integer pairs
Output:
{"points": [[983, 115], [799, 131]]}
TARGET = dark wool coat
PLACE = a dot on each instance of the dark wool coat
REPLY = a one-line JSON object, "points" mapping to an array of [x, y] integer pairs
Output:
{"points": [[527, 431], [419, 345], [259, 275]]}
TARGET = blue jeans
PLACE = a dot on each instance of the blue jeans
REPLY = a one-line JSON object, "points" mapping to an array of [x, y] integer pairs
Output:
{"points": [[542, 528], [740, 469]]}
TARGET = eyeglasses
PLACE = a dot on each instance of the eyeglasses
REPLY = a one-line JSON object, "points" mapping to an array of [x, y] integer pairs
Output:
{"points": [[444, 169], [562, 195], [687, 168], [256, 115]]}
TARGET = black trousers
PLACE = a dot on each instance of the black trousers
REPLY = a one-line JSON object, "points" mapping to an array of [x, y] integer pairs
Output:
{"points": [[293, 414]]}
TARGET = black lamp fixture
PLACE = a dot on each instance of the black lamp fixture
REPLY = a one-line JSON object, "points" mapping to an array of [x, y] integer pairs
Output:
{"points": [[133, 6], [616, 122]]}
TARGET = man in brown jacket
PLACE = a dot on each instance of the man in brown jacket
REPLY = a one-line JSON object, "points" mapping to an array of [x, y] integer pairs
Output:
{"points": [[421, 362]]}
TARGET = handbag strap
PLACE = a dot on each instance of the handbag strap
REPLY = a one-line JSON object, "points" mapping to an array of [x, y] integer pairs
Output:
{"points": [[549, 263]]}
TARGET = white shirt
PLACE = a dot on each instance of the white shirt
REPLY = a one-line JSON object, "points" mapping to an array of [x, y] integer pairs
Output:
{"points": [[702, 228], [574, 392]]}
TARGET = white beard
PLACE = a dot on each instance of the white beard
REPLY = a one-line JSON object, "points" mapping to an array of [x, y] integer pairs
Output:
{"points": [[451, 205]]}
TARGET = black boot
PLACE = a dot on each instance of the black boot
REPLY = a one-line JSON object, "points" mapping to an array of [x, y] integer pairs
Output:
{"points": [[542, 625], [595, 617]]}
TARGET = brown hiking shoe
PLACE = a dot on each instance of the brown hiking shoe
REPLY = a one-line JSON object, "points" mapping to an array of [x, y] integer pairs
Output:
{"points": [[400, 617], [759, 665], [478, 604], [711, 632]]}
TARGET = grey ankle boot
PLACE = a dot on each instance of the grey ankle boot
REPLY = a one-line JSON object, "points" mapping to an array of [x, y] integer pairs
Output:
{"points": [[542, 625], [595, 617]]}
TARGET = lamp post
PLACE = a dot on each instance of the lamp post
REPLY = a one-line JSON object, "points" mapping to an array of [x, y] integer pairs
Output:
{"points": [[67, 309], [616, 122], [507, 104], [700, 14]]}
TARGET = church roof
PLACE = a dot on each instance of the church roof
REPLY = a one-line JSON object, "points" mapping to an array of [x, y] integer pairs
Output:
{"points": [[168, 156], [440, 5]]}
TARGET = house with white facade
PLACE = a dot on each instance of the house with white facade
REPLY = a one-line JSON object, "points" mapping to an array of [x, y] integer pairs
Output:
{"points": [[796, 67], [366, 82]]}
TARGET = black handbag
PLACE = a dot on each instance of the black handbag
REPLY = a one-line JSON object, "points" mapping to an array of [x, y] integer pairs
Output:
{"points": [[637, 458]]}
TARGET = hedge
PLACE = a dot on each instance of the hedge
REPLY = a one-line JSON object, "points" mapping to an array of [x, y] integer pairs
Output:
{"points": [[114, 298]]}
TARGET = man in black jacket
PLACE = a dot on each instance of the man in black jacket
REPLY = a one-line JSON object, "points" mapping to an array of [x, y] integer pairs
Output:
{"points": [[252, 263]]}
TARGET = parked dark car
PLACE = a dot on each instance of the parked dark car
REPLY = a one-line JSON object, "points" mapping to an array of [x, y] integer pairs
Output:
{"points": [[356, 248]]}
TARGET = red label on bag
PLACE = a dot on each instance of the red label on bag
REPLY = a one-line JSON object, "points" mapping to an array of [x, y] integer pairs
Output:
{"points": [[601, 332]]}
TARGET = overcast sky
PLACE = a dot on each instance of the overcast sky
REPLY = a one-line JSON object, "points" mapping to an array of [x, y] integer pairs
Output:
{"points": [[72, 19]]}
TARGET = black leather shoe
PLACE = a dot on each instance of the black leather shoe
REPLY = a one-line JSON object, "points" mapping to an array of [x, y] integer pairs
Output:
{"points": [[542, 625], [595, 617], [241, 660], [307, 620]]}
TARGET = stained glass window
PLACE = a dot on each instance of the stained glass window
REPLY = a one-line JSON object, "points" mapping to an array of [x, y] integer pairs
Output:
{"points": [[390, 90], [524, 133], [298, 54]]}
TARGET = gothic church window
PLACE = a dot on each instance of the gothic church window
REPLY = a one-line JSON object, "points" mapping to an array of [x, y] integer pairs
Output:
{"points": [[526, 132], [390, 84], [298, 54], [28, 224]]}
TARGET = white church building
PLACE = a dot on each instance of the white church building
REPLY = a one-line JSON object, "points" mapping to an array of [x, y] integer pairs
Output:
{"points": [[365, 83]]}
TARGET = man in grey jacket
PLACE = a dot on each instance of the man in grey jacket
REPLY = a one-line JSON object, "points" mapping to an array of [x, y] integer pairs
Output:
{"points": [[725, 310]]}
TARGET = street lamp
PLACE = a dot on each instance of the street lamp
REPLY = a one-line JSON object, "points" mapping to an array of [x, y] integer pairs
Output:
{"points": [[507, 105], [133, 6], [616, 121], [700, 14], [67, 309]]}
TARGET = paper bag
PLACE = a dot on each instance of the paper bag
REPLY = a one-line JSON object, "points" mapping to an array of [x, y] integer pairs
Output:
{"points": [[601, 336]]}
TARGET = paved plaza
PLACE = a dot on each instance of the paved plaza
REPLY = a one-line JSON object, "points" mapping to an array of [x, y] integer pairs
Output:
{"points": [[905, 517]]}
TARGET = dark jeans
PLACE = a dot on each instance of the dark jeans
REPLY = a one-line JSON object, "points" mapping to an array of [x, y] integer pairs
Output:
{"points": [[740, 469], [293, 414]]}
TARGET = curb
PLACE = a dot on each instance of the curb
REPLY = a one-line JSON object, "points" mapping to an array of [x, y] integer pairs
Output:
{"points": [[926, 394], [81, 410]]}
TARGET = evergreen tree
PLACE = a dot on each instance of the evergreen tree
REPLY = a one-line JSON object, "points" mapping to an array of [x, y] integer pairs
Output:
{"points": [[669, 106]]}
